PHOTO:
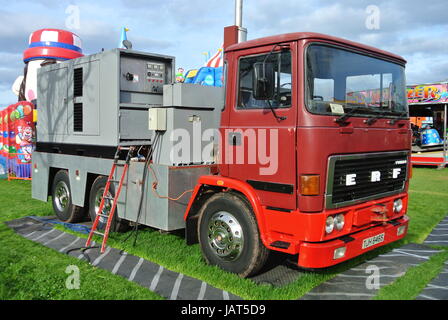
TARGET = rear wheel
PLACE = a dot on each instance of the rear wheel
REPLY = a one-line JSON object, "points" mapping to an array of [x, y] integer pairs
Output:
{"points": [[61, 193], [229, 235], [96, 195]]}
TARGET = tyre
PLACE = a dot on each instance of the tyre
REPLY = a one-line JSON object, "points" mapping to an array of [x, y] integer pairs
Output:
{"points": [[229, 236], [96, 194], [61, 194]]}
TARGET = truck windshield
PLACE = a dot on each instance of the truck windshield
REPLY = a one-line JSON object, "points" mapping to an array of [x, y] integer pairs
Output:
{"points": [[340, 82]]}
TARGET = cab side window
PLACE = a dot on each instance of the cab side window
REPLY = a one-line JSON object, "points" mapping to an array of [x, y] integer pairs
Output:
{"points": [[283, 81]]}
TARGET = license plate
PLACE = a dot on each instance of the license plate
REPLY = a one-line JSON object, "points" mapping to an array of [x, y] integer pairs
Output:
{"points": [[373, 241]]}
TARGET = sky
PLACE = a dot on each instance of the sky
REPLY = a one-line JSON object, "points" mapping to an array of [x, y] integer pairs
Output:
{"points": [[188, 28]]}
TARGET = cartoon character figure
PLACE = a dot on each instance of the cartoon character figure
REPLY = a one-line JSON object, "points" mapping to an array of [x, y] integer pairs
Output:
{"points": [[25, 142], [180, 75], [123, 37], [46, 46], [25, 153]]}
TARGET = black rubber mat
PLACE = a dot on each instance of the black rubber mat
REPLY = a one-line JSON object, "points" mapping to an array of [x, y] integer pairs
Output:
{"points": [[168, 284], [437, 289], [439, 235], [359, 283], [279, 271]]}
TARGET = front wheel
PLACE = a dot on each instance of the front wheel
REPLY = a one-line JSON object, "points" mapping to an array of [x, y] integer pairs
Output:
{"points": [[229, 235]]}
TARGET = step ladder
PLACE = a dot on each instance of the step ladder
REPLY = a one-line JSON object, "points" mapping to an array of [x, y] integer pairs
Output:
{"points": [[110, 180]]}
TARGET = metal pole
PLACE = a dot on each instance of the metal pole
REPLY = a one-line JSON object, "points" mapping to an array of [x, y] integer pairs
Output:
{"points": [[239, 13], [242, 32]]}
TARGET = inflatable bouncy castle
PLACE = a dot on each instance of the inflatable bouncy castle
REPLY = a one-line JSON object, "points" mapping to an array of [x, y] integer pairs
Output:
{"points": [[45, 46], [18, 140], [210, 74], [3, 170]]}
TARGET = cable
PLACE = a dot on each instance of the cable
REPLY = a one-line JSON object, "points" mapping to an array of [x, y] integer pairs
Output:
{"points": [[154, 188], [139, 211]]}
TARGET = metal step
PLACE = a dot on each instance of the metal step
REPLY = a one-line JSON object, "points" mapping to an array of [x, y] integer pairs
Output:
{"points": [[135, 143], [98, 233]]}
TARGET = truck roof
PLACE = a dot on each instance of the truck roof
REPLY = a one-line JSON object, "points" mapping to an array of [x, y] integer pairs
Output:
{"points": [[309, 35]]}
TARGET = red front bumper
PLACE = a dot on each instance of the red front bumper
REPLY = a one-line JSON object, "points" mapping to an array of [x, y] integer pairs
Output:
{"points": [[321, 254]]}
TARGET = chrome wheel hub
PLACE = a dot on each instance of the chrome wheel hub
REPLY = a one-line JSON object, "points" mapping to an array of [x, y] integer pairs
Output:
{"points": [[62, 196], [107, 204], [225, 236]]}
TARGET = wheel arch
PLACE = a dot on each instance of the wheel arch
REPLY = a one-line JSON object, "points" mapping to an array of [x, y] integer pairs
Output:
{"points": [[209, 185]]}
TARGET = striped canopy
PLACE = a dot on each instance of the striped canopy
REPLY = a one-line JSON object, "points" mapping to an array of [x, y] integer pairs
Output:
{"points": [[216, 60]]}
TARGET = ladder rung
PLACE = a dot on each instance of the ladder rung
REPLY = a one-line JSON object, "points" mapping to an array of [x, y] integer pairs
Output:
{"points": [[110, 180]]}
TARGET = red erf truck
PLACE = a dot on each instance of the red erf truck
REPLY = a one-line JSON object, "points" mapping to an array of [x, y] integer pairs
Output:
{"points": [[315, 146], [340, 184]]}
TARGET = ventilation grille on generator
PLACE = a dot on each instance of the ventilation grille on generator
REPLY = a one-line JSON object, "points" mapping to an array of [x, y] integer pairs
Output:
{"points": [[77, 82], [77, 117]]}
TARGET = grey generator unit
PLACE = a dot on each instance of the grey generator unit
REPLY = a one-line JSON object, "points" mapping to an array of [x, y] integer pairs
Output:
{"points": [[99, 100], [89, 106]]}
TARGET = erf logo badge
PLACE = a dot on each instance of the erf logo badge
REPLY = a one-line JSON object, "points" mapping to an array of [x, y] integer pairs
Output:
{"points": [[375, 176]]}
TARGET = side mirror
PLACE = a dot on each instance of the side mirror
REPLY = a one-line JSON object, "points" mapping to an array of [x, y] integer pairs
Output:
{"points": [[263, 80]]}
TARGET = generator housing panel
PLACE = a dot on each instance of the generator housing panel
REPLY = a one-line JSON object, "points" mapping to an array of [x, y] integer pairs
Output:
{"points": [[99, 100]]}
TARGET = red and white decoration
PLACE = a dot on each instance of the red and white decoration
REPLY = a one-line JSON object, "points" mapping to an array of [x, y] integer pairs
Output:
{"points": [[53, 44], [216, 60]]}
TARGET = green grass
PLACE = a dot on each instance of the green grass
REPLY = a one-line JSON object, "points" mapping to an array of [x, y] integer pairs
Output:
{"points": [[414, 281], [427, 206], [29, 270]]}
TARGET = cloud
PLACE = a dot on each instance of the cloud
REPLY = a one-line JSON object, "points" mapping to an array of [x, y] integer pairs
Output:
{"points": [[185, 29]]}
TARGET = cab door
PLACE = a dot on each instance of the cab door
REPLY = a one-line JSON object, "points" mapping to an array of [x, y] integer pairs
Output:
{"points": [[260, 135]]}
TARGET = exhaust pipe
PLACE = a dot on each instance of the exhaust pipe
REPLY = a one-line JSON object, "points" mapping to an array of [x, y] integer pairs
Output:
{"points": [[242, 32], [236, 33]]}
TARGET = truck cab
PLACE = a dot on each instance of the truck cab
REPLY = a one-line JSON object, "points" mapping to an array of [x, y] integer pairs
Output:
{"points": [[314, 154]]}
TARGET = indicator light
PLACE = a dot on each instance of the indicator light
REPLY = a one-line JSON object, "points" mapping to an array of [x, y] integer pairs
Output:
{"points": [[309, 185]]}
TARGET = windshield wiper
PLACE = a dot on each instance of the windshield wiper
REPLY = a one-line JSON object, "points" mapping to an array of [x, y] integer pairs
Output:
{"points": [[382, 114], [342, 119], [376, 117], [399, 115]]}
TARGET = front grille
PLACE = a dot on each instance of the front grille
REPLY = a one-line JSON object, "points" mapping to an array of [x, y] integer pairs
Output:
{"points": [[356, 178]]}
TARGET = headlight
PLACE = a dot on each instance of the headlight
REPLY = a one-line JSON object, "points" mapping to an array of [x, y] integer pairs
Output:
{"points": [[398, 205], [339, 221], [329, 224]]}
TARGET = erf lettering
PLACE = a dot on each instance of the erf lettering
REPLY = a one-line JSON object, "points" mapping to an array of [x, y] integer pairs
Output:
{"points": [[375, 176]]}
